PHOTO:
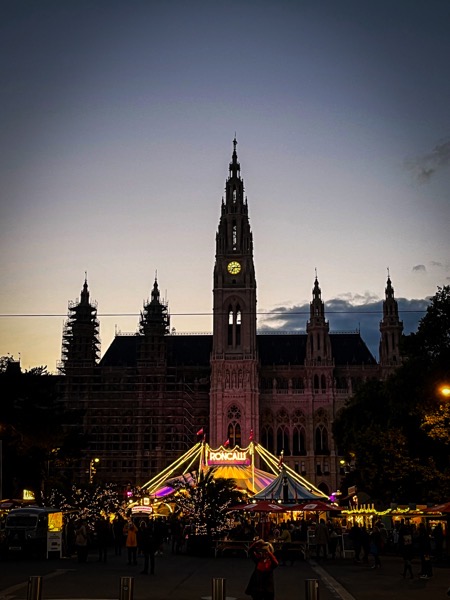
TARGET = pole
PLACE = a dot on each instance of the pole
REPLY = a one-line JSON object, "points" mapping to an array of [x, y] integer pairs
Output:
{"points": [[126, 588], [34, 591], [218, 588], [312, 589]]}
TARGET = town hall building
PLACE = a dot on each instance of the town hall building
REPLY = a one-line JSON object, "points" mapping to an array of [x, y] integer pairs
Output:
{"points": [[145, 399]]}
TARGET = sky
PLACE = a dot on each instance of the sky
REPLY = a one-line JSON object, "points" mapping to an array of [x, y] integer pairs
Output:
{"points": [[116, 127]]}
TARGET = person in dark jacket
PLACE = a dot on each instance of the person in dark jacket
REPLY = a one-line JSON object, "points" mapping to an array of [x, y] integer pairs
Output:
{"points": [[148, 546], [426, 571], [405, 544], [103, 532], [261, 585]]}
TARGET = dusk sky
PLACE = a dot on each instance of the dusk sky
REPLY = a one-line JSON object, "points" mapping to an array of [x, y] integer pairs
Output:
{"points": [[116, 127]]}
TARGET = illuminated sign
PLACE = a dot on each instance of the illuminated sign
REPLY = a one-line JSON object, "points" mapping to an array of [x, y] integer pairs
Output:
{"points": [[143, 510], [228, 457]]}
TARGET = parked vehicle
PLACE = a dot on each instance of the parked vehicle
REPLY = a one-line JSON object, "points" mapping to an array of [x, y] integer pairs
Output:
{"points": [[26, 531]]}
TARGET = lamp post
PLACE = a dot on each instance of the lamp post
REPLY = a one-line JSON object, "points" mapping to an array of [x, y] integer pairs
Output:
{"points": [[93, 468], [444, 391]]}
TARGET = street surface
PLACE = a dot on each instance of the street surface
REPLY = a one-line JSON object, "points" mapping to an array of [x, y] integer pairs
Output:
{"points": [[184, 577]]}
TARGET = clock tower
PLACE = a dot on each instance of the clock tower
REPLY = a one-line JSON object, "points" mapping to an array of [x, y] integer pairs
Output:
{"points": [[234, 395]]}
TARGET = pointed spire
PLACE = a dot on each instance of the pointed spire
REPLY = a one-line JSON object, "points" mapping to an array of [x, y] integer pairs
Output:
{"points": [[235, 167], [389, 291], [155, 292], [316, 290], [84, 296]]}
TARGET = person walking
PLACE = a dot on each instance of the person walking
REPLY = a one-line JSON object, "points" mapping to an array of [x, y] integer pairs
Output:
{"points": [[102, 529], [405, 544], [322, 538], [118, 534], [355, 536], [147, 545], [286, 543], [426, 570], [261, 585], [376, 542], [81, 541], [130, 530]]}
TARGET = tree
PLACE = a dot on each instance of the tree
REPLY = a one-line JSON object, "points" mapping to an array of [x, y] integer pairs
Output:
{"points": [[399, 430], [206, 502], [35, 446]]}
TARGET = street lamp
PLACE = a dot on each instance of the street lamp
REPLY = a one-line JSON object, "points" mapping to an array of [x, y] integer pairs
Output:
{"points": [[444, 390], [93, 468]]}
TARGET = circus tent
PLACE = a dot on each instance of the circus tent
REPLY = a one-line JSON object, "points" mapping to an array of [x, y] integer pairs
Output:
{"points": [[237, 464], [289, 488]]}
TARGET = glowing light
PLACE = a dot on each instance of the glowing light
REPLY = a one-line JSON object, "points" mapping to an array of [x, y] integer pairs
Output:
{"points": [[444, 390]]}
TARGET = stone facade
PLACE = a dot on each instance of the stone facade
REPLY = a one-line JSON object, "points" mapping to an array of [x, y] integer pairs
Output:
{"points": [[146, 399]]}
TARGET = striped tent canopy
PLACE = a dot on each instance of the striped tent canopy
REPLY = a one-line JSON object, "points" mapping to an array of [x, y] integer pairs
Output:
{"points": [[288, 489]]}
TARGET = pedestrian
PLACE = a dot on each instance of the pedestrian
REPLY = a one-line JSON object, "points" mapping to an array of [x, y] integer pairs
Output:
{"points": [[322, 538], [376, 542], [118, 534], [81, 541], [356, 538], [102, 529], [405, 543], [261, 585], [286, 543], [147, 545], [130, 530], [333, 540], [426, 569]]}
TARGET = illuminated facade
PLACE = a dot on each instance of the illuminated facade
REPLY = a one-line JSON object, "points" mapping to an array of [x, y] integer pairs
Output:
{"points": [[146, 399]]}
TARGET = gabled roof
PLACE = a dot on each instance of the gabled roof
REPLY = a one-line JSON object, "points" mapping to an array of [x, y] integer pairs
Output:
{"points": [[273, 349]]}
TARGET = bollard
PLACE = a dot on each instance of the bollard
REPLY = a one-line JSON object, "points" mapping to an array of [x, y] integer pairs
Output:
{"points": [[218, 588], [34, 591], [312, 589], [126, 588]]}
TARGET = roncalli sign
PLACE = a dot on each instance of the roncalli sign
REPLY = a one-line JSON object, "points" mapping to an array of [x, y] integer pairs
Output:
{"points": [[228, 457]]}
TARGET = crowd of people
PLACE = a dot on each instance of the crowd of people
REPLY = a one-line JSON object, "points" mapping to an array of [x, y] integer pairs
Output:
{"points": [[128, 536], [407, 540], [323, 540]]}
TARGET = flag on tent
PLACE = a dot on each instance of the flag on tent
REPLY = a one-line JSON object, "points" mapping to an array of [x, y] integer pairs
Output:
{"points": [[226, 444], [280, 462], [250, 437], [200, 431]]}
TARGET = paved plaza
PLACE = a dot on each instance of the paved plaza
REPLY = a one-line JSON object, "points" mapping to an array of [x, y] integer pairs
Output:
{"points": [[185, 577]]}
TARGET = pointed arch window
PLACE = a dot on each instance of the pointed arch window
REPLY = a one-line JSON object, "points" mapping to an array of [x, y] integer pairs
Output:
{"points": [[238, 325], [234, 426], [323, 383], [234, 326], [299, 441], [267, 438], [234, 235], [230, 326], [283, 440], [316, 383], [321, 439]]}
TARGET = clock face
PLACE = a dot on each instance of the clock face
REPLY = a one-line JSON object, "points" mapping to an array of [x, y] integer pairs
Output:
{"points": [[234, 267]]}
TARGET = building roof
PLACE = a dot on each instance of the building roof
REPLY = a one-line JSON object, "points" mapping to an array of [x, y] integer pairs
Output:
{"points": [[273, 349]]}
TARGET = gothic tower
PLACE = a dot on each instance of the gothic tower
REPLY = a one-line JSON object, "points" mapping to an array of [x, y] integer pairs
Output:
{"points": [[234, 394], [391, 329], [81, 344], [153, 326]]}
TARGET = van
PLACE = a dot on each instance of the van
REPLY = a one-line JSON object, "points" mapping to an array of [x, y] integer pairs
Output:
{"points": [[26, 530]]}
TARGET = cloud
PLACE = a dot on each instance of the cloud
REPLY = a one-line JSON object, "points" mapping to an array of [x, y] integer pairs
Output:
{"points": [[346, 314], [424, 167], [420, 269]]}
